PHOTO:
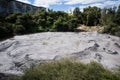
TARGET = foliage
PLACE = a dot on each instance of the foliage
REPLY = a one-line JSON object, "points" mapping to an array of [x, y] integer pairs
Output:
{"points": [[69, 70], [5, 30], [117, 16], [113, 29], [49, 20], [91, 16], [78, 15], [110, 19]]}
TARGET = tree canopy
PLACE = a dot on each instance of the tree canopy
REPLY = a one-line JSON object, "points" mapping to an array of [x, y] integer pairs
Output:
{"points": [[49, 20]]}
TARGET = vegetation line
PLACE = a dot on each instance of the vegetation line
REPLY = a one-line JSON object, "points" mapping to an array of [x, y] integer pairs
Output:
{"points": [[58, 21], [69, 70]]}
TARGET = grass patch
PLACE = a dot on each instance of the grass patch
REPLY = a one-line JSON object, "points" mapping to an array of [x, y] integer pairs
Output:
{"points": [[69, 70]]}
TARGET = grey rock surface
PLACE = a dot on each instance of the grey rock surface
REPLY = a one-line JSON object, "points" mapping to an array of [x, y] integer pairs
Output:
{"points": [[25, 51]]}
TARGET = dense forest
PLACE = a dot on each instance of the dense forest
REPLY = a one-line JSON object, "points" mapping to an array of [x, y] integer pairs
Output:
{"points": [[58, 21]]}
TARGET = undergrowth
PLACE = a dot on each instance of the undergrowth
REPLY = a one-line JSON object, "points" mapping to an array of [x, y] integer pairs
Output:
{"points": [[69, 70]]}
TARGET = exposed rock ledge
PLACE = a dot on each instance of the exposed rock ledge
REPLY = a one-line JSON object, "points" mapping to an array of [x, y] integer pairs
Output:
{"points": [[24, 51]]}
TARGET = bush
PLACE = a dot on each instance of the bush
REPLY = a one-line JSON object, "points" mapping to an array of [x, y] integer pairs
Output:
{"points": [[69, 70], [61, 25], [49, 20], [5, 30], [112, 29]]}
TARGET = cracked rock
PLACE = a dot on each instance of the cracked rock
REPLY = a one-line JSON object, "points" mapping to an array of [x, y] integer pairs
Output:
{"points": [[25, 51]]}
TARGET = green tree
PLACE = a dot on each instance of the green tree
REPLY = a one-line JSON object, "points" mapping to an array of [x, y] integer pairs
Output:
{"points": [[92, 16], [61, 25], [118, 16], [78, 15]]}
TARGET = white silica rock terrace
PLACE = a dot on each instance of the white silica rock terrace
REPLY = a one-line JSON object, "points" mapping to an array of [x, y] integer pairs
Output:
{"points": [[24, 51]]}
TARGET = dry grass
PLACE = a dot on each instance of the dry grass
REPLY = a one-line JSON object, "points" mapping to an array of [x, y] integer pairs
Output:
{"points": [[69, 70], [90, 28]]}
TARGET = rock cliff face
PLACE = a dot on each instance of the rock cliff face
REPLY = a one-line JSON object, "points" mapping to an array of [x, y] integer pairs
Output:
{"points": [[24, 51], [11, 6]]}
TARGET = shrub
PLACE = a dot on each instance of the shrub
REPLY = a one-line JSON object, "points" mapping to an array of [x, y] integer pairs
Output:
{"points": [[112, 29], [61, 25], [69, 70], [5, 30]]}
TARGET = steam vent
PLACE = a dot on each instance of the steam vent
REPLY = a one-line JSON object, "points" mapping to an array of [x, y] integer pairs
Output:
{"points": [[11, 6]]}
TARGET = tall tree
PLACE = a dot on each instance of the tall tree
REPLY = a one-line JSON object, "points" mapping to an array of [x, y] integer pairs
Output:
{"points": [[92, 16], [118, 16], [78, 15]]}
